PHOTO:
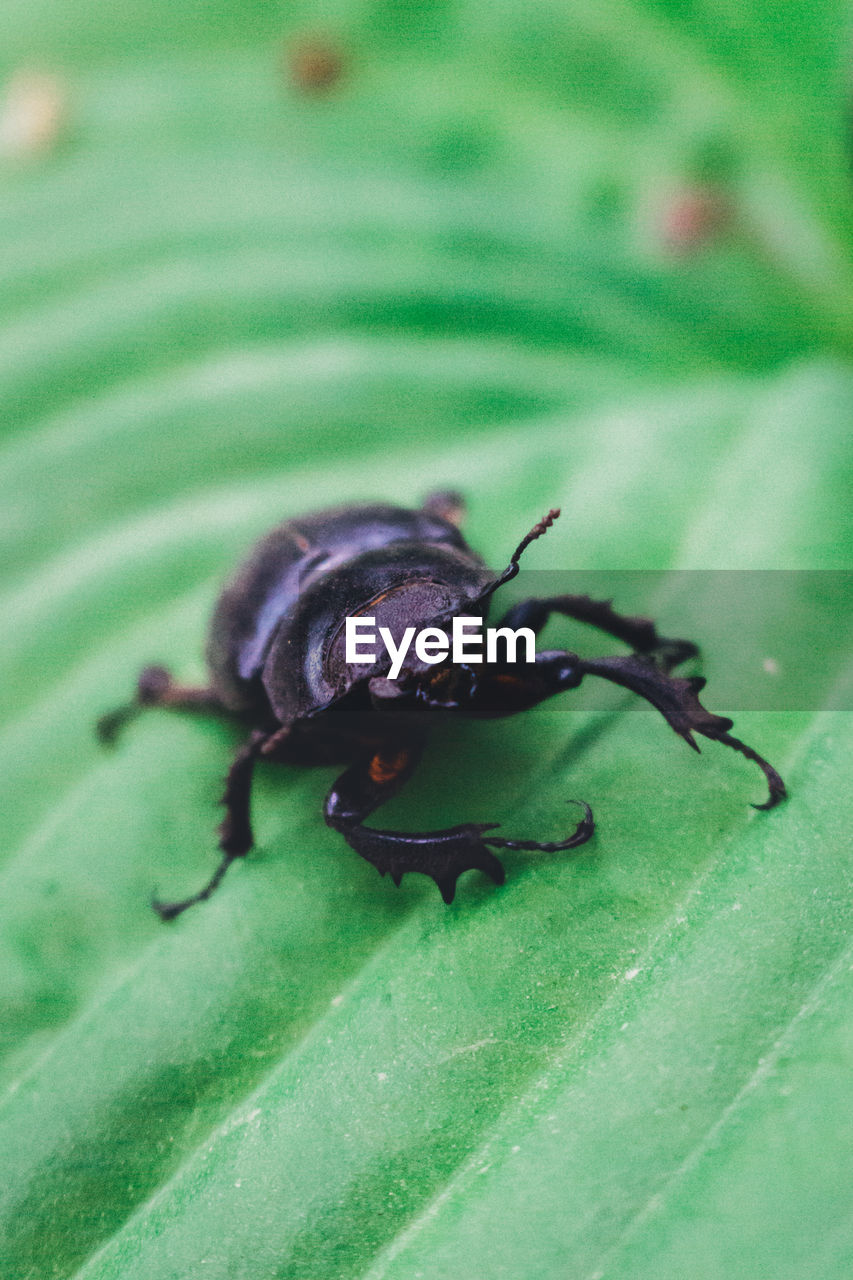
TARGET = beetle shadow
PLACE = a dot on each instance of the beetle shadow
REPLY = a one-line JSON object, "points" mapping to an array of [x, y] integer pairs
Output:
{"points": [[588, 737]]}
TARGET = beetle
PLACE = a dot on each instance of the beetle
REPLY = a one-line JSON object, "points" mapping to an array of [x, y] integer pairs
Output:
{"points": [[277, 660]]}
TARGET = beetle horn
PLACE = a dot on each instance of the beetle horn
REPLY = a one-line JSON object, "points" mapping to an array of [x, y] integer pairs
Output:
{"points": [[512, 568]]}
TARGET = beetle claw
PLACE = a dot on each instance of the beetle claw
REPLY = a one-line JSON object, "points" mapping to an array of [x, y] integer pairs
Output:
{"points": [[582, 832], [776, 786], [677, 699], [109, 726], [170, 910]]}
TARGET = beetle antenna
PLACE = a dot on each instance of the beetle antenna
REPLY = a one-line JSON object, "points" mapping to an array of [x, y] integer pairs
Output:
{"points": [[512, 568]]}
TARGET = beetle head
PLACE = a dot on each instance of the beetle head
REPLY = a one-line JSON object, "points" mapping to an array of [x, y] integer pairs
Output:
{"points": [[446, 684]]}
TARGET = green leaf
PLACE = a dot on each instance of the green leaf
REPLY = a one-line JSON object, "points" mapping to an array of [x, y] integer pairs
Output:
{"points": [[224, 301]]}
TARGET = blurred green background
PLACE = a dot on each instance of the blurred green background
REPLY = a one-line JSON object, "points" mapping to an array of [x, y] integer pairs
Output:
{"points": [[257, 258]]}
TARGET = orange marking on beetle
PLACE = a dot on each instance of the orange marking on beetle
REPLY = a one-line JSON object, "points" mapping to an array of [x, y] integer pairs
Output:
{"points": [[383, 768], [371, 604]]}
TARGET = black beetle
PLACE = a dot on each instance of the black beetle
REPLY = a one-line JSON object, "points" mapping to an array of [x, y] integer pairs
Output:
{"points": [[277, 660]]}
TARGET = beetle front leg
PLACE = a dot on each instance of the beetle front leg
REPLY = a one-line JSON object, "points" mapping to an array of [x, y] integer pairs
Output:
{"points": [[156, 688], [443, 855], [502, 691], [235, 830], [639, 633], [677, 699]]}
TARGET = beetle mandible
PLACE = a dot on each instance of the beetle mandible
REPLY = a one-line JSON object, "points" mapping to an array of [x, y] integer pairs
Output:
{"points": [[277, 661]]}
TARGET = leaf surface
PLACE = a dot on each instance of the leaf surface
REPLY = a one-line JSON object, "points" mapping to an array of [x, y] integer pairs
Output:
{"points": [[223, 302]]}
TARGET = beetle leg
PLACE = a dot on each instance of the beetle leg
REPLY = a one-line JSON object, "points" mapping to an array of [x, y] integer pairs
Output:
{"points": [[447, 504], [156, 688], [497, 693], [582, 832], [646, 672], [501, 691], [235, 830], [676, 698], [640, 633], [444, 855]]}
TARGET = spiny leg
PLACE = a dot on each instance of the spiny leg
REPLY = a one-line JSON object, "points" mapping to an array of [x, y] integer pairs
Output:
{"points": [[156, 688], [235, 830], [582, 832], [443, 855], [497, 690], [645, 672], [677, 699], [639, 633]]}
